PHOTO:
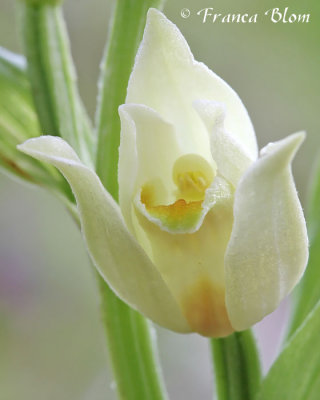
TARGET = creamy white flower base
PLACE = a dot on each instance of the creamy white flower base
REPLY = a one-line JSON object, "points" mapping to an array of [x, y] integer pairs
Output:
{"points": [[209, 238]]}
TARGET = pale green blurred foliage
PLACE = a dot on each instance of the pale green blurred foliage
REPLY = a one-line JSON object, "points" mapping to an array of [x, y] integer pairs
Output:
{"points": [[52, 344]]}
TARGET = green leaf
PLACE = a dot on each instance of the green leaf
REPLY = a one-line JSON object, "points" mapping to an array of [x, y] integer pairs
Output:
{"points": [[53, 77], [296, 373], [308, 292]]}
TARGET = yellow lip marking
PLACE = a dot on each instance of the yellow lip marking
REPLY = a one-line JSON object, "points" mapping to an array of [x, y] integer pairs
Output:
{"points": [[192, 175], [175, 216]]}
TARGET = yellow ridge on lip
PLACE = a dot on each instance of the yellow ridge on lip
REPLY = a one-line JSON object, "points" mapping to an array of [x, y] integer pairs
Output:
{"points": [[179, 215], [180, 209]]}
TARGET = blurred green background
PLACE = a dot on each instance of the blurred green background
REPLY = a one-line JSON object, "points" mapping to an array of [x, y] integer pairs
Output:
{"points": [[51, 340]]}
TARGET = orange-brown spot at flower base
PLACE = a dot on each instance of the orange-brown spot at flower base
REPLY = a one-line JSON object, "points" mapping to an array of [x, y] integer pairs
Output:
{"points": [[205, 310]]}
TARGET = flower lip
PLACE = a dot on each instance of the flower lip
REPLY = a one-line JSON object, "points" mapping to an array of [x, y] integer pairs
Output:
{"points": [[176, 217], [192, 176]]}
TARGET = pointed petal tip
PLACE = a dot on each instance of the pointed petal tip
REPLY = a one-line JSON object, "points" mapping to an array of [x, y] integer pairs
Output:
{"points": [[301, 135], [287, 146], [33, 145], [160, 27], [36, 142], [154, 13], [156, 17], [295, 140], [48, 147]]}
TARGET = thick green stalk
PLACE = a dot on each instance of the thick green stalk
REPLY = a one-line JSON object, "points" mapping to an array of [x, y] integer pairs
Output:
{"points": [[130, 340], [125, 36], [53, 78], [237, 366]]}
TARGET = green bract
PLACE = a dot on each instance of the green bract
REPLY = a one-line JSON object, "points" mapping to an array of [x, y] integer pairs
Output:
{"points": [[18, 122], [208, 237]]}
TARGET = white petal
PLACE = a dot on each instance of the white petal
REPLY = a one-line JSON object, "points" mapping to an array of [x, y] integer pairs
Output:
{"points": [[168, 79], [116, 254], [156, 148], [158, 157], [268, 249], [230, 156]]}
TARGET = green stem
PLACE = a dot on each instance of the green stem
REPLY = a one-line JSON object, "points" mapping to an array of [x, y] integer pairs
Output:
{"points": [[127, 28], [130, 340], [237, 366], [131, 348], [53, 77]]}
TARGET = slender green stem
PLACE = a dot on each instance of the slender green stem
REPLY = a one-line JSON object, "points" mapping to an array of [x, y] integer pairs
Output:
{"points": [[237, 366], [130, 341], [53, 78], [127, 28], [131, 347]]}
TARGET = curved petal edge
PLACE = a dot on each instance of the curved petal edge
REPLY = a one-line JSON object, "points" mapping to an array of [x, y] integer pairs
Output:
{"points": [[268, 249], [116, 254]]}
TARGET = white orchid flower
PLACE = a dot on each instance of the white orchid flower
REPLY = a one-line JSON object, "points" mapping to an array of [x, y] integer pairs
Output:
{"points": [[208, 237]]}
